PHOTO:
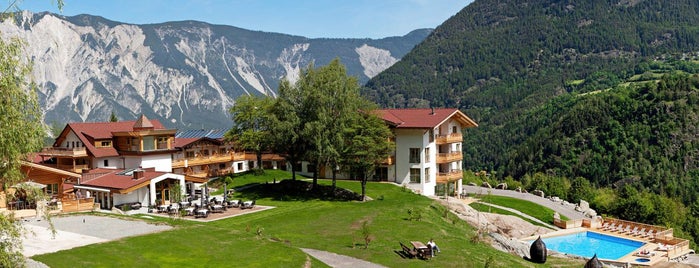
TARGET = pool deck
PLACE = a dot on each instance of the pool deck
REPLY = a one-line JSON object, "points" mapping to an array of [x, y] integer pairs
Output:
{"points": [[655, 255]]}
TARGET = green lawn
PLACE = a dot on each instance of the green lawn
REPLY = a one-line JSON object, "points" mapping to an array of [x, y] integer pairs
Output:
{"points": [[532, 209], [272, 238], [490, 209]]}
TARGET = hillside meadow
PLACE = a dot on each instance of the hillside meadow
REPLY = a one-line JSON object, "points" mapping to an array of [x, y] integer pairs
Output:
{"points": [[272, 238]]}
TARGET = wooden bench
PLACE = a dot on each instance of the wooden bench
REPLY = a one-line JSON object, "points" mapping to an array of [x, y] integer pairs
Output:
{"points": [[410, 253]]}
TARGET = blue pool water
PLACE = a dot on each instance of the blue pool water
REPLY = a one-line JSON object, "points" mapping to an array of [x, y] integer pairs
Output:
{"points": [[586, 244]]}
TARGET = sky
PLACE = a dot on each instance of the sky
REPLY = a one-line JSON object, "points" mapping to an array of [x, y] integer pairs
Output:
{"points": [[308, 18]]}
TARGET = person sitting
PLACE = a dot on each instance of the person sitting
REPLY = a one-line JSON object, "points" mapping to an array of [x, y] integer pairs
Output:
{"points": [[433, 246]]}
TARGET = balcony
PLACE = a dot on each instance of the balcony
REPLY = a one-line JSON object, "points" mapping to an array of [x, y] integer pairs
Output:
{"points": [[388, 161], [454, 175], [451, 138], [443, 158], [65, 152], [207, 160]]}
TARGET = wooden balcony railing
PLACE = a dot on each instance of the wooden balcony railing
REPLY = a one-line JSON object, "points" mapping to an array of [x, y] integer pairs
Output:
{"points": [[73, 168], [444, 177], [207, 160], [69, 152], [449, 157], [451, 138]]}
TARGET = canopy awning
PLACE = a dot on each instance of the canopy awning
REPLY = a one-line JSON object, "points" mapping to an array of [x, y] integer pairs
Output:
{"points": [[29, 184], [91, 188]]}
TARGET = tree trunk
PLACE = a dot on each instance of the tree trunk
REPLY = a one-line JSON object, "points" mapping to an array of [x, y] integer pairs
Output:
{"points": [[364, 179], [334, 181], [315, 173], [259, 160], [293, 170]]}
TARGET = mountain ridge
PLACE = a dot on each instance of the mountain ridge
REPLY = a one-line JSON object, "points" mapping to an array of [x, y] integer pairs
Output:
{"points": [[186, 73]]}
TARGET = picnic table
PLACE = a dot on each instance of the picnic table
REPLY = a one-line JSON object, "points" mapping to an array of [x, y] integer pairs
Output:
{"points": [[423, 251]]}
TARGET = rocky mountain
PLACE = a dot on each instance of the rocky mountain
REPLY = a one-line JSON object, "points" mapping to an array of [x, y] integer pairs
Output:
{"points": [[186, 74]]}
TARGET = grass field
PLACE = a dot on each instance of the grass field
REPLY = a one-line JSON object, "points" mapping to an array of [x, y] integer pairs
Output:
{"points": [[490, 209], [272, 238], [532, 209]]}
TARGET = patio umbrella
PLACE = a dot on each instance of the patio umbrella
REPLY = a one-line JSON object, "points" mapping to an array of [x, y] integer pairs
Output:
{"points": [[537, 251], [225, 193], [206, 193], [594, 263], [29, 184]]}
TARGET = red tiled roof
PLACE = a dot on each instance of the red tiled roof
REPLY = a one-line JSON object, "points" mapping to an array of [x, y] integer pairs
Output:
{"points": [[423, 118], [103, 130], [182, 142], [113, 180]]}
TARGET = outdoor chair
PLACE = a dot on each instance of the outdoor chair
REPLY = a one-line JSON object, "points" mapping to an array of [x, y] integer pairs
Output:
{"points": [[248, 204], [610, 227], [639, 232]]}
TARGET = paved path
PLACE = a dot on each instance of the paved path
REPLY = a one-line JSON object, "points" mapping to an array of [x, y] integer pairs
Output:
{"points": [[521, 214], [339, 261], [556, 206]]}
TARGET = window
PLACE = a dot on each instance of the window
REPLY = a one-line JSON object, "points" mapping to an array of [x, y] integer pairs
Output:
{"points": [[189, 154], [415, 175], [427, 175], [52, 189], [106, 163], [427, 155], [222, 151], [221, 166], [105, 143], [414, 155], [205, 152], [148, 143], [240, 166], [453, 130]]}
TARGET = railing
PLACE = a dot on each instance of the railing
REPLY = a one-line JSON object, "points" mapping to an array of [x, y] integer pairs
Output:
{"points": [[57, 151], [568, 224], [444, 177], [73, 168], [449, 157], [206, 160], [451, 138], [74, 205]]}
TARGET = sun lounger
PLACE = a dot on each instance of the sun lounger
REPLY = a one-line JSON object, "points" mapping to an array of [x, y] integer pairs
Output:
{"points": [[611, 227], [619, 229], [639, 232], [631, 231], [604, 225], [649, 234]]}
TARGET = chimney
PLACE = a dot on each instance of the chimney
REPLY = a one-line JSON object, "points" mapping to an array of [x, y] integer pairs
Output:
{"points": [[432, 113], [137, 174]]}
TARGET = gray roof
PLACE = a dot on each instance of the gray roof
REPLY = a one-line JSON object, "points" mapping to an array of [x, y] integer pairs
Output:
{"points": [[201, 133]]}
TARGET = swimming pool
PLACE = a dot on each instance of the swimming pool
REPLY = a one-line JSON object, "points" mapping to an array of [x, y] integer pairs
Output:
{"points": [[587, 244]]}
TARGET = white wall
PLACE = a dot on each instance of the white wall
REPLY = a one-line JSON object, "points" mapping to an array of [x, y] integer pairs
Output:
{"points": [[140, 195], [71, 139], [112, 162]]}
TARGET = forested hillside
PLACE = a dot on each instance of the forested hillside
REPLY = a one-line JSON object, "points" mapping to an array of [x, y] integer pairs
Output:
{"points": [[569, 93]]}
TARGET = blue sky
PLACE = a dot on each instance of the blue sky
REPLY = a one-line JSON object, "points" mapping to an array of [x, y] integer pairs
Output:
{"points": [[309, 18]]}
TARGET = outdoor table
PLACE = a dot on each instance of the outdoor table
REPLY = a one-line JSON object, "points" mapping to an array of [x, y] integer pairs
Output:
{"points": [[184, 203], [189, 210], [422, 249], [162, 208], [247, 203]]}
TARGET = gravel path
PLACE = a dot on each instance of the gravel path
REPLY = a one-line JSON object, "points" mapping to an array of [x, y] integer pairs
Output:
{"points": [[75, 231], [339, 261], [567, 211]]}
